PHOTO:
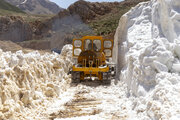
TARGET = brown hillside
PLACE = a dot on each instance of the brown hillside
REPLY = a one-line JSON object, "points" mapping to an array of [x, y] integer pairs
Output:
{"points": [[80, 19], [90, 13], [84, 18], [14, 29]]}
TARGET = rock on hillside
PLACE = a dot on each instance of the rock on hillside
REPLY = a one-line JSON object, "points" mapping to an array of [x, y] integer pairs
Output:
{"points": [[36, 6], [90, 10], [14, 29]]}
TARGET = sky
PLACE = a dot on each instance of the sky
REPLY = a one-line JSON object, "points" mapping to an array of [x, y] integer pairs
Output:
{"points": [[66, 3]]}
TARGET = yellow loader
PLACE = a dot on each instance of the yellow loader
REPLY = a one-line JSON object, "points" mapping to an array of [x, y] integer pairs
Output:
{"points": [[92, 59]]}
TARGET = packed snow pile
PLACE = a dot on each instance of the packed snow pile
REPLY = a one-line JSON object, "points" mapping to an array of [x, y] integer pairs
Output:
{"points": [[147, 50], [28, 82]]}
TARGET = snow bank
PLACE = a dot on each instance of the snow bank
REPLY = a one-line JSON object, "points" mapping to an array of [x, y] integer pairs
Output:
{"points": [[28, 82], [147, 50]]}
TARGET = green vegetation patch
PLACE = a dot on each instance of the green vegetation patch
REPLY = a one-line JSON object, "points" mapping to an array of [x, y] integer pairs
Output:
{"points": [[107, 24], [8, 7]]}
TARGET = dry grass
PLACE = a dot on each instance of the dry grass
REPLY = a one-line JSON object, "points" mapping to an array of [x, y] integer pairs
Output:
{"points": [[13, 47], [9, 46]]}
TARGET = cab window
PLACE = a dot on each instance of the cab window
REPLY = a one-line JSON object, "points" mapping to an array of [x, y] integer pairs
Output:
{"points": [[88, 44], [96, 45]]}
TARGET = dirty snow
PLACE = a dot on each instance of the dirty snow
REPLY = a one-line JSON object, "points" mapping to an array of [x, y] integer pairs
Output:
{"points": [[29, 82], [24, 1], [91, 102], [147, 50]]}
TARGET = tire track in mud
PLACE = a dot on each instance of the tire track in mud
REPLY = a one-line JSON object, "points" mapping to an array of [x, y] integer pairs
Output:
{"points": [[93, 101], [81, 104]]}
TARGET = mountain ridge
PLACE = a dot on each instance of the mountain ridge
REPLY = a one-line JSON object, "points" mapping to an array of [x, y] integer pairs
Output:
{"points": [[6, 6], [36, 6]]}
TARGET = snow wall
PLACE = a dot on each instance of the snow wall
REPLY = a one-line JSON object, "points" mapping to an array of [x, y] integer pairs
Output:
{"points": [[147, 52], [29, 82]]}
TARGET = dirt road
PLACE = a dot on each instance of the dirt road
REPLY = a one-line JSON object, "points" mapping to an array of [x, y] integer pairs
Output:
{"points": [[93, 101]]}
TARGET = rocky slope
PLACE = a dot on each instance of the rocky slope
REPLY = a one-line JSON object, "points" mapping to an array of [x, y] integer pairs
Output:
{"points": [[78, 20], [14, 29], [36, 6], [81, 18], [90, 10]]}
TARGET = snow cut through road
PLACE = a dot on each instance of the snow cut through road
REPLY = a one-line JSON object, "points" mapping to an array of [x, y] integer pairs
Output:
{"points": [[97, 102]]}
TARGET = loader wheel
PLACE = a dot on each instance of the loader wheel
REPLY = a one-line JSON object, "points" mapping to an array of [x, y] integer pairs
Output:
{"points": [[114, 69], [113, 72], [106, 78], [75, 76]]}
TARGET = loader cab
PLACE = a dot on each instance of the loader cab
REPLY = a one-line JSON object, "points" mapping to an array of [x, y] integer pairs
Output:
{"points": [[92, 43]]}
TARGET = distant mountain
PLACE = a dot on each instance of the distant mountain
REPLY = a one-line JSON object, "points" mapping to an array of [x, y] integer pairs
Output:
{"points": [[36, 6], [6, 6]]}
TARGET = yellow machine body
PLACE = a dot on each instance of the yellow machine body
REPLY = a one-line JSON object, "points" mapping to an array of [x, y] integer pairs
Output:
{"points": [[91, 54]]}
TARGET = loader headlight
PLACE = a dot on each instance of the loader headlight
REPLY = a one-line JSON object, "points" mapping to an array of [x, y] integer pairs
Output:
{"points": [[77, 51], [77, 43], [108, 52], [107, 44]]}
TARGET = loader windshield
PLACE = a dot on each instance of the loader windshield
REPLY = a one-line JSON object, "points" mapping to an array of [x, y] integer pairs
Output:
{"points": [[97, 45], [88, 44]]}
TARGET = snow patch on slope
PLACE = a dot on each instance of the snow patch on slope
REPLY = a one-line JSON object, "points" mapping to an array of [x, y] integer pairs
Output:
{"points": [[147, 50], [24, 1], [29, 82]]}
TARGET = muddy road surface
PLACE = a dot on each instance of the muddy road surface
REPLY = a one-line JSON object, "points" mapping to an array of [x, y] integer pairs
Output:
{"points": [[94, 101]]}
